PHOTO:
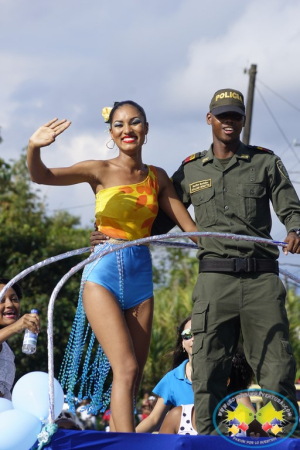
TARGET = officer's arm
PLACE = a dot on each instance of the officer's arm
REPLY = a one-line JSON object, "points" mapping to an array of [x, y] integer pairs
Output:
{"points": [[163, 224], [286, 204]]}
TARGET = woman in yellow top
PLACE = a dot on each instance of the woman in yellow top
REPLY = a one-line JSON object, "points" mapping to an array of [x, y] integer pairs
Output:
{"points": [[128, 193]]}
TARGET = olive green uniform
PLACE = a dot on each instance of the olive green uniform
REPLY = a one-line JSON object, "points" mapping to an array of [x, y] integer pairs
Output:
{"points": [[236, 199]]}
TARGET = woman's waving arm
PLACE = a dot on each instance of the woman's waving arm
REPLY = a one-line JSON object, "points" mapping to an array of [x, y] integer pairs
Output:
{"points": [[63, 176]]}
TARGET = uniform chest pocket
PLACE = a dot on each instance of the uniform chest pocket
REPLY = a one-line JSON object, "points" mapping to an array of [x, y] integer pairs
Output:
{"points": [[205, 207], [252, 197]]}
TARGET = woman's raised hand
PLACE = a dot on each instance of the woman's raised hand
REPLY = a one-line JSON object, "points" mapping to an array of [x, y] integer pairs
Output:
{"points": [[47, 133]]}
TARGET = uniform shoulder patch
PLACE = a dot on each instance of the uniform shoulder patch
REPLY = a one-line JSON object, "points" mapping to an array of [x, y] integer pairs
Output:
{"points": [[262, 149], [194, 156], [282, 169]]}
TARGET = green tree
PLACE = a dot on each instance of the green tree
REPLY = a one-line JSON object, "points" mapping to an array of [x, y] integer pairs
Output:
{"points": [[176, 273], [293, 310], [27, 236]]}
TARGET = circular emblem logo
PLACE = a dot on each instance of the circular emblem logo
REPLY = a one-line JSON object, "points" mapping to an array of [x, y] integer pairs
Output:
{"points": [[238, 420]]}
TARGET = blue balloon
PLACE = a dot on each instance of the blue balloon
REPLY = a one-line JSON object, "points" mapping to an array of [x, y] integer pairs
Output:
{"points": [[18, 430], [5, 404], [31, 394]]}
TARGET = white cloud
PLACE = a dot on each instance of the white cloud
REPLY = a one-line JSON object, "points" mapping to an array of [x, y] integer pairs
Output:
{"points": [[264, 35]]}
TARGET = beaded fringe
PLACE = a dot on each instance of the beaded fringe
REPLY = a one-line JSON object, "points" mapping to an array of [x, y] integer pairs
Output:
{"points": [[78, 371]]}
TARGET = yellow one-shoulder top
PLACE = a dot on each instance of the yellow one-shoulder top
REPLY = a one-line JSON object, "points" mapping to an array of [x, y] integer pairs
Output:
{"points": [[128, 212]]}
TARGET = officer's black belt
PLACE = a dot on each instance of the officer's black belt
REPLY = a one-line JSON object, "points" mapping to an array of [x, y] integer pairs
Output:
{"points": [[238, 265]]}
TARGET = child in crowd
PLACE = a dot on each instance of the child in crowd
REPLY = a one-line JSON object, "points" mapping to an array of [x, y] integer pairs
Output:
{"points": [[10, 324]]}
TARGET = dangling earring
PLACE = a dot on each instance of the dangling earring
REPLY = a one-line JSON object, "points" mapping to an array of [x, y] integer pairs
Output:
{"points": [[146, 140], [183, 349], [110, 148]]}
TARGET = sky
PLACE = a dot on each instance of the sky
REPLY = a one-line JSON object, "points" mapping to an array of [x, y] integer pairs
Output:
{"points": [[69, 59]]}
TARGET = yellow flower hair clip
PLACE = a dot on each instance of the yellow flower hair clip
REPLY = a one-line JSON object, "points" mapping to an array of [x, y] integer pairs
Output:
{"points": [[106, 112]]}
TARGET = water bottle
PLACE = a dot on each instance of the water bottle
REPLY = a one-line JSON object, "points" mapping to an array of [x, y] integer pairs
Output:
{"points": [[30, 339]]}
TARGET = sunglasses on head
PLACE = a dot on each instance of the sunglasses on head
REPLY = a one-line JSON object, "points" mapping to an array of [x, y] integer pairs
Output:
{"points": [[187, 334]]}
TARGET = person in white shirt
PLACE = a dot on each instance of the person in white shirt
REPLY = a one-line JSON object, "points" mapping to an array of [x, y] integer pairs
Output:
{"points": [[10, 324]]}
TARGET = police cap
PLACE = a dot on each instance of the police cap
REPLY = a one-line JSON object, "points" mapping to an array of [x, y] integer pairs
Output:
{"points": [[227, 100]]}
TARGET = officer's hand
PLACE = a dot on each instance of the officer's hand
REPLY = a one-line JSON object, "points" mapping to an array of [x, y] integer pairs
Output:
{"points": [[97, 238], [293, 241]]}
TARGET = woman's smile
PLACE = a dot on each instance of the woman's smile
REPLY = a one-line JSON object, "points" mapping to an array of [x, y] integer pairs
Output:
{"points": [[129, 139], [10, 314]]}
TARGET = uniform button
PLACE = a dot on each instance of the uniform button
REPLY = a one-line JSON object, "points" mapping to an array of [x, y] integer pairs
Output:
{"points": [[251, 192], [224, 190], [226, 207], [251, 179]]}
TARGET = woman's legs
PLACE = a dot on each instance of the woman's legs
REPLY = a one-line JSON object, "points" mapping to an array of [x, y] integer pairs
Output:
{"points": [[139, 321], [108, 323]]}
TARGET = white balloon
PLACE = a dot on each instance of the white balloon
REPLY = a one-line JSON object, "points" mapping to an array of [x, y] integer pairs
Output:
{"points": [[31, 394], [18, 430], [5, 404]]}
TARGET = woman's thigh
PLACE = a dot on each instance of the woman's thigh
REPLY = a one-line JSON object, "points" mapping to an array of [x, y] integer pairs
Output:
{"points": [[107, 320], [139, 321]]}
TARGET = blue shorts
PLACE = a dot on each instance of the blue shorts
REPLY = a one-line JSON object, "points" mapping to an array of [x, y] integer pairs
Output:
{"points": [[126, 273]]}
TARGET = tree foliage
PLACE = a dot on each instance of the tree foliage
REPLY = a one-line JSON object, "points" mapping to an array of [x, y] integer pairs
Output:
{"points": [[293, 310], [175, 275], [27, 236]]}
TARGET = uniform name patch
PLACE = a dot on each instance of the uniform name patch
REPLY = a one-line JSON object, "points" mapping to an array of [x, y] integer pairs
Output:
{"points": [[199, 185]]}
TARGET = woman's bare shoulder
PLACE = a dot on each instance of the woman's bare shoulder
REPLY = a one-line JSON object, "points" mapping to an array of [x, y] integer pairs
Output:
{"points": [[160, 170], [162, 176]]}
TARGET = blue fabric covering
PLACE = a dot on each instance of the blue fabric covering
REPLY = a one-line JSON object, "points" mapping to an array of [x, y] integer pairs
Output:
{"points": [[175, 388], [97, 440], [135, 270]]}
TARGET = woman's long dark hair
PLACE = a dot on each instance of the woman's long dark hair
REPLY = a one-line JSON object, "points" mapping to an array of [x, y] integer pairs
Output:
{"points": [[15, 287], [178, 354]]}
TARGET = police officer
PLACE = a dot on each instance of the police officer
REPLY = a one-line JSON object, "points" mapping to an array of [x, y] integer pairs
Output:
{"points": [[238, 287]]}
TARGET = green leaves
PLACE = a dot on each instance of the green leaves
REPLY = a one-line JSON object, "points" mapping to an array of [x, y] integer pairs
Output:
{"points": [[28, 235], [293, 310], [176, 272]]}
